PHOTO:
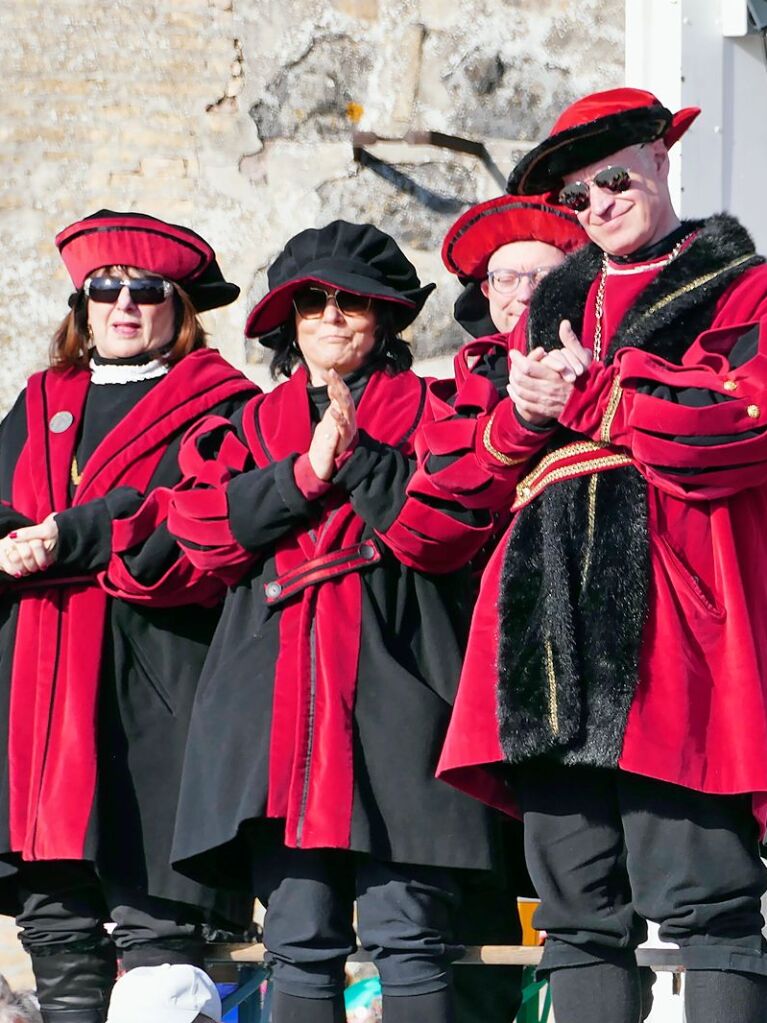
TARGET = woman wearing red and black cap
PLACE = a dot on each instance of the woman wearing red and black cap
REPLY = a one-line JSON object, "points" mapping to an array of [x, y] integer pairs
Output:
{"points": [[328, 686], [104, 623]]}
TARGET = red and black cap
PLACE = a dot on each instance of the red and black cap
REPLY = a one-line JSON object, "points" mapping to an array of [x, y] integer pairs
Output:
{"points": [[352, 257], [484, 228], [107, 238], [593, 128]]}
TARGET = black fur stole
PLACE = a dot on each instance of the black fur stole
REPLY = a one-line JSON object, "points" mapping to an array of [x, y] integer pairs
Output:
{"points": [[573, 598]]}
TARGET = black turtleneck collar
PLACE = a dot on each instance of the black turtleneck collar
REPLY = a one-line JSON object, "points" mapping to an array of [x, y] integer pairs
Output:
{"points": [[356, 382], [657, 249], [132, 360]]}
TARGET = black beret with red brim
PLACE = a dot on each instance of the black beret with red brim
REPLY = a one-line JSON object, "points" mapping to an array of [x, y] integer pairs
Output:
{"points": [[349, 257]]}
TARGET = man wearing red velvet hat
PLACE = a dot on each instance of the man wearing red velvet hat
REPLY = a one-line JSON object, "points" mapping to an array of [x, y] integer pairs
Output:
{"points": [[500, 250], [614, 686]]}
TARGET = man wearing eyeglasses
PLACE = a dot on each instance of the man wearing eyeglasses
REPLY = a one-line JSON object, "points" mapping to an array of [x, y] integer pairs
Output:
{"points": [[500, 250], [615, 684]]}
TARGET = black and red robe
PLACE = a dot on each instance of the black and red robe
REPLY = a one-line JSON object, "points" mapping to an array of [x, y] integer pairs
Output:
{"points": [[100, 655], [328, 688], [621, 621]]}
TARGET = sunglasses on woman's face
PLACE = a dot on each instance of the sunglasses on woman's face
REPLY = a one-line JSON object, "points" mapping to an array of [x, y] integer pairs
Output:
{"points": [[577, 195], [143, 290], [310, 303]]}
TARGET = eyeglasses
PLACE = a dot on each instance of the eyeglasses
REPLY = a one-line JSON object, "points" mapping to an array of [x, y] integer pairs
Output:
{"points": [[577, 195], [310, 303], [143, 290], [507, 281]]}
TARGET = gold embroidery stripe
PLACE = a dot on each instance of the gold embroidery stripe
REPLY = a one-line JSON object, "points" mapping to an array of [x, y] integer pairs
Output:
{"points": [[692, 285], [612, 407], [525, 492], [498, 455], [579, 447], [592, 527], [551, 680]]}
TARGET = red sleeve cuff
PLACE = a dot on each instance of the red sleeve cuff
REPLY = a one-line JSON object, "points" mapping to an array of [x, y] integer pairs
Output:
{"points": [[590, 400], [307, 481]]}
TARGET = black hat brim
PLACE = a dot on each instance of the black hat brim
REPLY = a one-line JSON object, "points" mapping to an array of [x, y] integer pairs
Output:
{"points": [[276, 307], [543, 169]]}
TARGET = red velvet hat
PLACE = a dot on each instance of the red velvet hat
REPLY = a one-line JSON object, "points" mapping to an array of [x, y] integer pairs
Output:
{"points": [[593, 128], [482, 229], [177, 253]]}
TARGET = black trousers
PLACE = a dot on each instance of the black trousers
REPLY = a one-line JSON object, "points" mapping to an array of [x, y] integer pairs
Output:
{"points": [[65, 904], [488, 915], [608, 850], [404, 917]]}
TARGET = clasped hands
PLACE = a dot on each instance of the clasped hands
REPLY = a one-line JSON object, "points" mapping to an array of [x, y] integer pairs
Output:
{"points": [[336, 431], [541, 382], [30, 549]]}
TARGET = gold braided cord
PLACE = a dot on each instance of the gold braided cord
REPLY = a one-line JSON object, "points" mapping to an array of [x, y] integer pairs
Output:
{"points": [[526, 491], [578, 447], [692, 285], [498, 455], [612, 407], [551, 680], [592, 527], [74, 473]]}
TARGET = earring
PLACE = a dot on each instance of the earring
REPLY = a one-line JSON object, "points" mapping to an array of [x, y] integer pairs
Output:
{"points": [[90, 332]]}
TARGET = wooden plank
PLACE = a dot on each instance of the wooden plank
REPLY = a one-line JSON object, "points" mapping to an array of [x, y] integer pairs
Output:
{"points": [[662, 960]]}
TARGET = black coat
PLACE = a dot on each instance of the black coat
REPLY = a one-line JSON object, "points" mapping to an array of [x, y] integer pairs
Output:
{"points": [[330, 681], [116, 812]]}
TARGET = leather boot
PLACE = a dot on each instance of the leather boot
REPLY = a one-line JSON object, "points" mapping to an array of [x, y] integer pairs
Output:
{"points": [[74, 986], [436, 1007], [293, 1009]]}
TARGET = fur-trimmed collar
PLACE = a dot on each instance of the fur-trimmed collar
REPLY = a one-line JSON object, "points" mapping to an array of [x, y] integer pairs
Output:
{"points": [[721, 251]]}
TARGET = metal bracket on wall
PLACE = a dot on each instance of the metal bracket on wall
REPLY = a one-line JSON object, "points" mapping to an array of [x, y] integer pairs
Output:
{"points": [[433, 200]]}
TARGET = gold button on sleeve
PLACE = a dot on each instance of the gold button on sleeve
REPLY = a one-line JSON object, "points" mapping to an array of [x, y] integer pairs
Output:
{"points": [[753, 411], [730, 385]]}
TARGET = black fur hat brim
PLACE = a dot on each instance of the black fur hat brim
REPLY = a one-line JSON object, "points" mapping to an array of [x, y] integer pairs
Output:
{"points": [[544, 168]]}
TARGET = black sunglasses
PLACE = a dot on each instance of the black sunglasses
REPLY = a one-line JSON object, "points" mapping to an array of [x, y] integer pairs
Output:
{"points": [[143, 290], [310, 303], [576, 196]]}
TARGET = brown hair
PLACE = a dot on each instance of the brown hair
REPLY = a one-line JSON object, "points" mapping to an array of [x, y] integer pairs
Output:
{"points": [[71, 343]]}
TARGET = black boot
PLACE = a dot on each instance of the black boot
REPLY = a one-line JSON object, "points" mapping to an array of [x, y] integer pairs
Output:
{"points": [[717, 996], [435, 1007], [74, 986], [293, 1009], [610, 992]]}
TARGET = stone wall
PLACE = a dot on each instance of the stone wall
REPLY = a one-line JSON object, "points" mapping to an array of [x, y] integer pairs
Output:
{"points": [[235, 116]]}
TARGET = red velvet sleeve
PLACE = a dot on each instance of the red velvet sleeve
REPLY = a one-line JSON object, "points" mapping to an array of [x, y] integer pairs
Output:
{"points": [[696, 430], [211, 456], [431, 532], [475, 449], [194, 513]]}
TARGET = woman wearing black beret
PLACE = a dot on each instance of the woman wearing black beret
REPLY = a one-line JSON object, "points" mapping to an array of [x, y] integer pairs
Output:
{"points": [[330, 680], [103, 625]]}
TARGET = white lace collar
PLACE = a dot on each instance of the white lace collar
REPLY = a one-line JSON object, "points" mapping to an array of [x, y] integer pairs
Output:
{"points": [[126, 372]]}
